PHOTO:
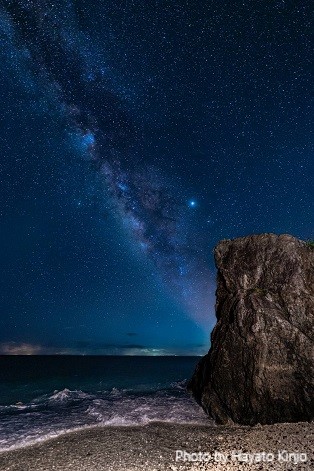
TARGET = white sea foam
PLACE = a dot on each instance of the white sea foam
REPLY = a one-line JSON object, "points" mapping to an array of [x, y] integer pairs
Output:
{"points": [[68, 395], [139, 409], [67, 410], [37, 437]]}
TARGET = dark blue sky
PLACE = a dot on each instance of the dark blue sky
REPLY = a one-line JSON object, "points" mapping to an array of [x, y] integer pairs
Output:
{"points": [[134, 136]]}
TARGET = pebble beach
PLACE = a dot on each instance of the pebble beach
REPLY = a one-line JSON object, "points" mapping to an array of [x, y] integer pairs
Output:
{"points": [[160, 446]]}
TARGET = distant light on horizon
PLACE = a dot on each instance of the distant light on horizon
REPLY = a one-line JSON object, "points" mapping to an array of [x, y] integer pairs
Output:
{"points": [[15, 348]]}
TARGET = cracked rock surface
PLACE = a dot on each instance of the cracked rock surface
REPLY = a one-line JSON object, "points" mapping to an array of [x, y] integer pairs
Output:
{"points": [[260, 367]]}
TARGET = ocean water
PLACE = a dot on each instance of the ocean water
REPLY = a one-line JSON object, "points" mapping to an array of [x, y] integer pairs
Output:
{"points": [[43, 396]]}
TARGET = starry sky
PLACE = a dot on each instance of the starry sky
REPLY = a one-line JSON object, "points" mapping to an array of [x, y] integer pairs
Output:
{"points": [[134, 136]]}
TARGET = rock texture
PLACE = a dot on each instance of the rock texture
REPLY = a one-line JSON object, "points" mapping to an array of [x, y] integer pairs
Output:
{"points": [[260, 367]]}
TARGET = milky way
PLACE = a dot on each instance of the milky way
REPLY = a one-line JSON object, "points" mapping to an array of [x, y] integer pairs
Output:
{"points": [[134, 136], [152, 206]]}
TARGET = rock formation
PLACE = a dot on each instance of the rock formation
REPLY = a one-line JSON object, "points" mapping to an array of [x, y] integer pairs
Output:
{"points": [[260, 367]]}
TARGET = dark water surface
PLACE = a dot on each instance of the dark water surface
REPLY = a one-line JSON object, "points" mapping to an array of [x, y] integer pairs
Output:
{"points": [[44, 396]]}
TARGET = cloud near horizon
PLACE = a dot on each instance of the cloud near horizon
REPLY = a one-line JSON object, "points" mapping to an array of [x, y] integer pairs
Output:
{"points": [[14, 348], [25, 348]]}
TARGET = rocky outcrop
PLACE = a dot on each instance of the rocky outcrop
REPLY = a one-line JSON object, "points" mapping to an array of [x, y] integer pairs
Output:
{"points": [[260, 367]]}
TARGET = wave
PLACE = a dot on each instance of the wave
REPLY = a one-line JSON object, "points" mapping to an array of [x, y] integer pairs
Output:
{"points": [[67, 395], [32, 440], [68, 410]]}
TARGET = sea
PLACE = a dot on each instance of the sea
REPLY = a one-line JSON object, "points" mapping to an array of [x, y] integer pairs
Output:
{"points": [[46, 396]]}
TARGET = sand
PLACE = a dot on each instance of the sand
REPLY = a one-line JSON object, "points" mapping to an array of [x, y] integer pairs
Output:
{"points": [[153, 447]]}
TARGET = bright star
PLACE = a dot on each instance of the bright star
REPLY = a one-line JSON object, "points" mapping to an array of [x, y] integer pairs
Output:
{"points": [[192, 203]]}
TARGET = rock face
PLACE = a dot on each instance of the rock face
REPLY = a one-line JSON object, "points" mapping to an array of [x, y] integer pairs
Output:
{"points": [[260, 367]]}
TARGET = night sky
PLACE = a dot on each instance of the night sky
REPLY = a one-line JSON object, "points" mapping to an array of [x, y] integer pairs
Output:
{"points": [[134, 136]]}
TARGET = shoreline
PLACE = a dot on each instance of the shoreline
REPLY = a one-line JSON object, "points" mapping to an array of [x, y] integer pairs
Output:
{"points": [[152, 447]]}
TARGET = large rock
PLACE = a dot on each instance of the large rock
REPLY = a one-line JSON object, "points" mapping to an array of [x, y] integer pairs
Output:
{"points": [[260, 365]]}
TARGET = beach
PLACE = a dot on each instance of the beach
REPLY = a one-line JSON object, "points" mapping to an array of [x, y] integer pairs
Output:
{"points": [[154, 447]]}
